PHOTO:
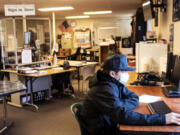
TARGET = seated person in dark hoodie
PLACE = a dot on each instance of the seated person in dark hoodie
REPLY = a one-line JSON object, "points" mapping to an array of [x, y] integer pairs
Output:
{"points": [[109, 102]]}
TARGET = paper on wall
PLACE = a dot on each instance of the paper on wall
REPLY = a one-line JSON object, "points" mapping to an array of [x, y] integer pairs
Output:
{"points": [[26, 56]]}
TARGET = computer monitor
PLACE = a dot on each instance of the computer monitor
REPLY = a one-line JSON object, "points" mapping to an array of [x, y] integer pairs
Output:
{"points": [[176, 73], [170, 65], [27, 38]]}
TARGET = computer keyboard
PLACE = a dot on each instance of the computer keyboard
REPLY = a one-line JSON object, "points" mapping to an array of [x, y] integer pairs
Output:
{"points": [[171, 91], [159, 107]]}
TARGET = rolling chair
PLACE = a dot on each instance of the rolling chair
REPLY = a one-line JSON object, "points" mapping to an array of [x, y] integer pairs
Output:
{"points": [[75, 56], [86, 56], [44, 49], [76, 109]]}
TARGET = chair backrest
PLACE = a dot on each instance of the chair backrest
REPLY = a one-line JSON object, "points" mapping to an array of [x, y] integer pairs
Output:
{"points": [[76, 109], [64, 52], [78, 50], [44, 49], [75, 56]]}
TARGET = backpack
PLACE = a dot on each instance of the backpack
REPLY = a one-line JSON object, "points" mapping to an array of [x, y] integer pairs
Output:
{"points": [[66, 65]]}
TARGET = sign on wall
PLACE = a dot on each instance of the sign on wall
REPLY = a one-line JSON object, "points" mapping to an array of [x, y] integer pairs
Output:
{"points": [[19, 10], [171, 37], [82, 38]]}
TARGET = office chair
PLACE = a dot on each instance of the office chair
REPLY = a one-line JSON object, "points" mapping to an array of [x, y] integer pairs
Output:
{"points": [[11, 57], [75, 56], [86, 56], [76, 109], [44, 49], [64, 53]]}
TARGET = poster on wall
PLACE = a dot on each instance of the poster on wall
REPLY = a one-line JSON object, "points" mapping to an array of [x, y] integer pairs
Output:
{"points": [[176, 10], [171, 32], [65, 27], [82, 39], [171, 37]]}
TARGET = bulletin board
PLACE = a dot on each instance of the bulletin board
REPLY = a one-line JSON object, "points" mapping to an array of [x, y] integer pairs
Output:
{"points": [[82, 39]]}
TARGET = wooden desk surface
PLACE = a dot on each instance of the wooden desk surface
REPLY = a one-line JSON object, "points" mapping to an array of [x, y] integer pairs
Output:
{"points": [[93, 50], [173, 103], [77, 63], [41, 73], [32, 63]]}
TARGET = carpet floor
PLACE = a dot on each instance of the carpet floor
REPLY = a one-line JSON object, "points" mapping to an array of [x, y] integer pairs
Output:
{"points": [[53, 118]]}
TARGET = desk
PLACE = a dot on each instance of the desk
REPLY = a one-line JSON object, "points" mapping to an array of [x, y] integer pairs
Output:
{"points": [[93, 49], [7, 88], [94, 52], [73, 63], [34, 76], [78, 65], [32, 63], [173, 103]]}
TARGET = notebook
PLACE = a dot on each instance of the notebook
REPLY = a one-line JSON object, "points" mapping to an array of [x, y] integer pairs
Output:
{"points": [[159, 107]]}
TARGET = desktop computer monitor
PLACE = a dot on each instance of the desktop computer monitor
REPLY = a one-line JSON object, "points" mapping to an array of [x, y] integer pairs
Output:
{"points": [[27, 38], [176, 72], [170, 65], [174, 75]]}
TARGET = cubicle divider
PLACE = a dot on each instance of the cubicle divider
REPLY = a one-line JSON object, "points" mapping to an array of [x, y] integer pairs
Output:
{"points": [[151, 57], [11, 42]]}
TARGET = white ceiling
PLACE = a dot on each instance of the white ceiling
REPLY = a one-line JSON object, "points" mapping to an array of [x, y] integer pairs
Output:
{"points": [[119, 7]]}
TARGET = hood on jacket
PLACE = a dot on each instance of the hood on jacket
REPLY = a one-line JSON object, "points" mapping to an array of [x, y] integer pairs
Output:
{"points": [[101, 77]]}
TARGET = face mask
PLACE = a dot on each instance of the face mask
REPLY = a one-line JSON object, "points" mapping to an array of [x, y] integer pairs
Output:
{"points": [[124, 77]]}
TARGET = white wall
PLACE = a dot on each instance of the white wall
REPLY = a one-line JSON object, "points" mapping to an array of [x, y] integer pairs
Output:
{"points": [[176, 48], [117, 27], [164, 21], [123, 26]]}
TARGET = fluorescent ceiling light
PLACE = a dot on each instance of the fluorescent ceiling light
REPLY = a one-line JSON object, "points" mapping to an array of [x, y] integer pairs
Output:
{"points": [[56, 9], [146, 3], [97, 12], [76, 17]]}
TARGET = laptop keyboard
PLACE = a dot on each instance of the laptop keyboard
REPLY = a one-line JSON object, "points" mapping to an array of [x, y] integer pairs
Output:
{"points": [[159, 107], [170, 88], [171, 91]]}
